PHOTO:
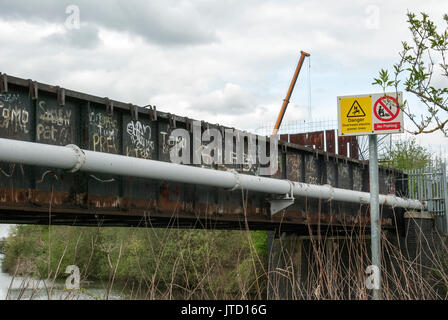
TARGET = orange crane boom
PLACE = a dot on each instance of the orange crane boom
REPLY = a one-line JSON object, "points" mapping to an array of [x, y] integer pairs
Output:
{"points": [[303, 54]]}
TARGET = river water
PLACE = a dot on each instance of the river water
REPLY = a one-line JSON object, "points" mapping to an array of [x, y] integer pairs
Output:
{"points": [[19, 288]]}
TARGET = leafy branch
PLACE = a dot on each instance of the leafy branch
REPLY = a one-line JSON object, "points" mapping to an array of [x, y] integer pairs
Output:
{"points": [[419, 62]]}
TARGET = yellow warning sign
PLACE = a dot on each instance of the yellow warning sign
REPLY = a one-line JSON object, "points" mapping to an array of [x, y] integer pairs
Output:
{"points": [[355, 115], [356, 111]]}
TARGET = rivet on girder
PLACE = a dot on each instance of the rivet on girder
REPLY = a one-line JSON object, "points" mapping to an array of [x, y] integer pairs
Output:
{"points": [[134, 112], [3, 83], [154, 113], [172, 120], [109, 106], [61, 96], [188, 125], [204, 125], [34, 89]]}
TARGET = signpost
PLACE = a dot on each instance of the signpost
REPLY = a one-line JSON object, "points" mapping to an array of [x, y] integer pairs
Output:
{"points": [[372, 114]]}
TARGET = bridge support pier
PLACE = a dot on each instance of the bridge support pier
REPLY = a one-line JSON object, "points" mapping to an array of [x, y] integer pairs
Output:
{"points": [[333, 266], [302, 266], [285, 264], [294, 260], [420, 242]]}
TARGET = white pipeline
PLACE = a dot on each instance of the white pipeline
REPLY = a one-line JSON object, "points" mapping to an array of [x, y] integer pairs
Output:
{"points": [[72, 158]]}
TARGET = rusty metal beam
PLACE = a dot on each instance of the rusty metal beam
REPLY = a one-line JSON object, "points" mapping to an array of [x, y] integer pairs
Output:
{"points": [[74, 159], [33, 111]]}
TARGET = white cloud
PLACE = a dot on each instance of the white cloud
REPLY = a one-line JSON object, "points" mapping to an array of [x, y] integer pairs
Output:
{"points": [[163, 22], [229, 62], [232, 99]]}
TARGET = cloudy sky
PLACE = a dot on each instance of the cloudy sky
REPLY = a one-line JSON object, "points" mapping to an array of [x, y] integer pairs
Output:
{"points": [[227, 62]]}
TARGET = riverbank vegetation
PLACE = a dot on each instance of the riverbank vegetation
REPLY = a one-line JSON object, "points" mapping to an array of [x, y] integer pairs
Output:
{"points": [[216, 264], [152, 263]]}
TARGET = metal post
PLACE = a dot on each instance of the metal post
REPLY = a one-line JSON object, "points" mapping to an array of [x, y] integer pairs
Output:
{"points": [[375, 225], [444, 195]]}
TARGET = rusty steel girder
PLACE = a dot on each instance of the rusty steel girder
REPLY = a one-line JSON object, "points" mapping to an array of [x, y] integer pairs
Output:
{"points": [[58, 116]]}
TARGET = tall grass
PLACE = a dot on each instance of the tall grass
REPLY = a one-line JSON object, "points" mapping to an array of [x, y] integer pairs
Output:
{"points": [[150, 263], [327, 267]]}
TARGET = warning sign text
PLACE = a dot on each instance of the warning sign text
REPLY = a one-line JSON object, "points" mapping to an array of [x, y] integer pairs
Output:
{"points": [[355, 114]]}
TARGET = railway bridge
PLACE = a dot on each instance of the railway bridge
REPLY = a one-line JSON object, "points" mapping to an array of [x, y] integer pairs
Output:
{"points": [[63, 151], [44, 114]]}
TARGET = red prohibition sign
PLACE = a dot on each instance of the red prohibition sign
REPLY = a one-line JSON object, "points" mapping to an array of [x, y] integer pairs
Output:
{"points": [[380, 101]]}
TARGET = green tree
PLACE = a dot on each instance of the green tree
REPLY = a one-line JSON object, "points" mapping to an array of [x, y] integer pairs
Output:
{"points": [[406, 155], [218, 261], [421, 64]]}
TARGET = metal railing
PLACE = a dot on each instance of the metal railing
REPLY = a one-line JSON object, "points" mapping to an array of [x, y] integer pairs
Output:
{"points": [[430, 185], [297, 126]]}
